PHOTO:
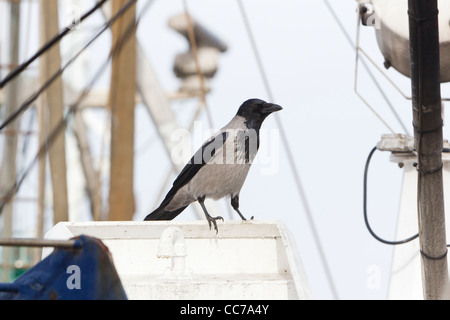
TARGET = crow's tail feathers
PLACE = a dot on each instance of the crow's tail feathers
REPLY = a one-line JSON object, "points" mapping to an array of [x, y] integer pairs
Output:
{"points": [[161, 214]]}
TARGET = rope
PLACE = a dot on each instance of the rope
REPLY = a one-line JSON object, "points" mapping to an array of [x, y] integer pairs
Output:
{"points": [[47, 46], [58, 73], [358, 24], [366, 67], [291, 160], [74, 107]]}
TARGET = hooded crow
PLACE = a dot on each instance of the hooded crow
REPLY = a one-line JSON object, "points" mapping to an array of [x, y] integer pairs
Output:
{"points": [[219, 168]]}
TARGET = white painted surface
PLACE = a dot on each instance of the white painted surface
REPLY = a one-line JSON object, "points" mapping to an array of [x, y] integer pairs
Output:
{"points": [[245, 260]]}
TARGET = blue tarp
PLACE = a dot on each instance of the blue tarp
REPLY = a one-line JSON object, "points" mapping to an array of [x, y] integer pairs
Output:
{"points": [[84, 272]]}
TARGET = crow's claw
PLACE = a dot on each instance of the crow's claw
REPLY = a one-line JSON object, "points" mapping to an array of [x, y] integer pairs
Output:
{"points": [[212, 220]]}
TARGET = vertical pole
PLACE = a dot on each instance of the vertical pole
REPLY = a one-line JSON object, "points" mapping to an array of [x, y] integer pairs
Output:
{"points": [[50, 63], [91, 175], [10, 151], [428, 122], [122, 102], [42, 125]]}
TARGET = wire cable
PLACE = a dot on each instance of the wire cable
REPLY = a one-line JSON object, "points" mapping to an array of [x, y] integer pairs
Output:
{"points": [[290, 156], [366, 67], [355, 88], [47, 46], [366, 219], [73, 107], [58, 73]]}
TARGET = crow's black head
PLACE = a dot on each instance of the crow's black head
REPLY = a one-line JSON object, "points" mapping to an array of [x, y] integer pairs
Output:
{"points": [[255, 111]]}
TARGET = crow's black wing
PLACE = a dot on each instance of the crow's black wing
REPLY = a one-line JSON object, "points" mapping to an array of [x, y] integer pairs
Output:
{"points": [[200, 158]]}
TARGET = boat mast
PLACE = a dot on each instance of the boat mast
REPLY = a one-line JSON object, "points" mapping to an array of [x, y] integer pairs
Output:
{"points": [[8, 163]]}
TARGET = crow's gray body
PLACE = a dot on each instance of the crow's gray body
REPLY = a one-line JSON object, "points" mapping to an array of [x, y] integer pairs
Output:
{"points": [[223, 175], [218, 169]]}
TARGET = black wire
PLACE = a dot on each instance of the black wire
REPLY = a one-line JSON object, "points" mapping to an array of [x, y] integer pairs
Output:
{"points": [[47, 46], [58, 73], [73, 108], [366, 220]]}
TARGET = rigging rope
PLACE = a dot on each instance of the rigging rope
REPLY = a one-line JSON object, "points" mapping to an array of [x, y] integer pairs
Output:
{"points": [[58, 73], [290, 156], [369, 72], [47, 46], [59, 128]]}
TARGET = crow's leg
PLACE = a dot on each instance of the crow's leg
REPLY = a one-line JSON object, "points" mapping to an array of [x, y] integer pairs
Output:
{"points": [[235, 205], [210, 219]]}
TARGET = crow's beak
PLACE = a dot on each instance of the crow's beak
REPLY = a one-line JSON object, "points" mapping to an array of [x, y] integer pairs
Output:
{"points": [[271, 107]]}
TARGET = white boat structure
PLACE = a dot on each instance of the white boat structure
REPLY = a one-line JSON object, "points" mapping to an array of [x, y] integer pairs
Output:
{"points": [[185, 260]]}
